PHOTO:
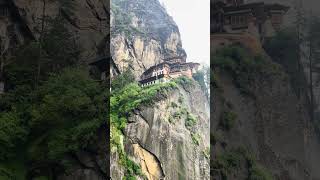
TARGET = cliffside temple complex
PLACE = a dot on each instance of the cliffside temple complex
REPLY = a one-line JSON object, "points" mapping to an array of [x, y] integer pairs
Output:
{"points": [[169, 69], [235, 16]]}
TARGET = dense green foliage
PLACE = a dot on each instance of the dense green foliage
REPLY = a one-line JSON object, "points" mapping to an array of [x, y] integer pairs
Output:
{"points": [[59, 45], [229, 162], [51, 109], [125, 98], [228, 119], [34, 61], [196, 138], [190, 120], [245, 69], [284, 49], [122, 80], [203, 78], [226, 162], [61, 117], [70, 107], [12, 132], [182, 112], [184, 81]]}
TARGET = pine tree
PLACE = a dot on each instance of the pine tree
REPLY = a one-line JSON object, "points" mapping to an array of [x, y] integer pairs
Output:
{"points": [[65, 6]]}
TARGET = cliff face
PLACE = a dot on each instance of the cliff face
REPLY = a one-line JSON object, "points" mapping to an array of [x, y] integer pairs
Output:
{"points": [[269, 119], [87, 20], [142, 34], [159, 139], [275, 122]]}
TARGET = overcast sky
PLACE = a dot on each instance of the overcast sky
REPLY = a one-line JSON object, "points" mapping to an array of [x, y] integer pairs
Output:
{"points": [[193, 19]]}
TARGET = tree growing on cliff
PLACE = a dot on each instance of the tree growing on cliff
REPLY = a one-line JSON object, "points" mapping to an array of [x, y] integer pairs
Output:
{"points": [[63, 116], [66, 8], [284, 48], [203, 78], [123, 80]]}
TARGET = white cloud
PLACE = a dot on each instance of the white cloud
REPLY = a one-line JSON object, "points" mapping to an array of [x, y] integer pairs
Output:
{"points": [[193, 19]]}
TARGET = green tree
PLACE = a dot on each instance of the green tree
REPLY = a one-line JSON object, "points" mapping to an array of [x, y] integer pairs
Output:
{"points": [[65, 7], [284, 48], [12, 133], [69, 110], [60, 47], [203, 78], [122, 80]]}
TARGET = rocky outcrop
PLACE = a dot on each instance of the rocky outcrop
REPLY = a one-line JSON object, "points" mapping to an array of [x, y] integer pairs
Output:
{"points": [[272, 121], [88, 165], [13, 30], [159, 137], [87, 20], [247, 40], [142, 35], [149, 163], [160, 140]]}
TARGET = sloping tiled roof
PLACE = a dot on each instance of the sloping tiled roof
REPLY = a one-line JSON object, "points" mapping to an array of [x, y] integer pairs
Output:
{"points": [[277, 7], [259, 10], [153, 78], [176, 57], [256, 8], [243, 7]]}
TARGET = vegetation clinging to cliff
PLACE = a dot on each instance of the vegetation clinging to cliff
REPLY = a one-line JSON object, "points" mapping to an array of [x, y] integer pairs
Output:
{"points": [[61, 117], [203, 78], [228, 163], [48, 114], [246, 70], [227, 120], [123, 21], [284, 49], [126, 96]]}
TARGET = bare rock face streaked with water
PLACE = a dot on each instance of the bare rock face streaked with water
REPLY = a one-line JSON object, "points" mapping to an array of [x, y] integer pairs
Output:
{"points": [[162, 144], [142, 35]]}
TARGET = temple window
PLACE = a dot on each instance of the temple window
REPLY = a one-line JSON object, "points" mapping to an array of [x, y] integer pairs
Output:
{"points": [[239, 21]]}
